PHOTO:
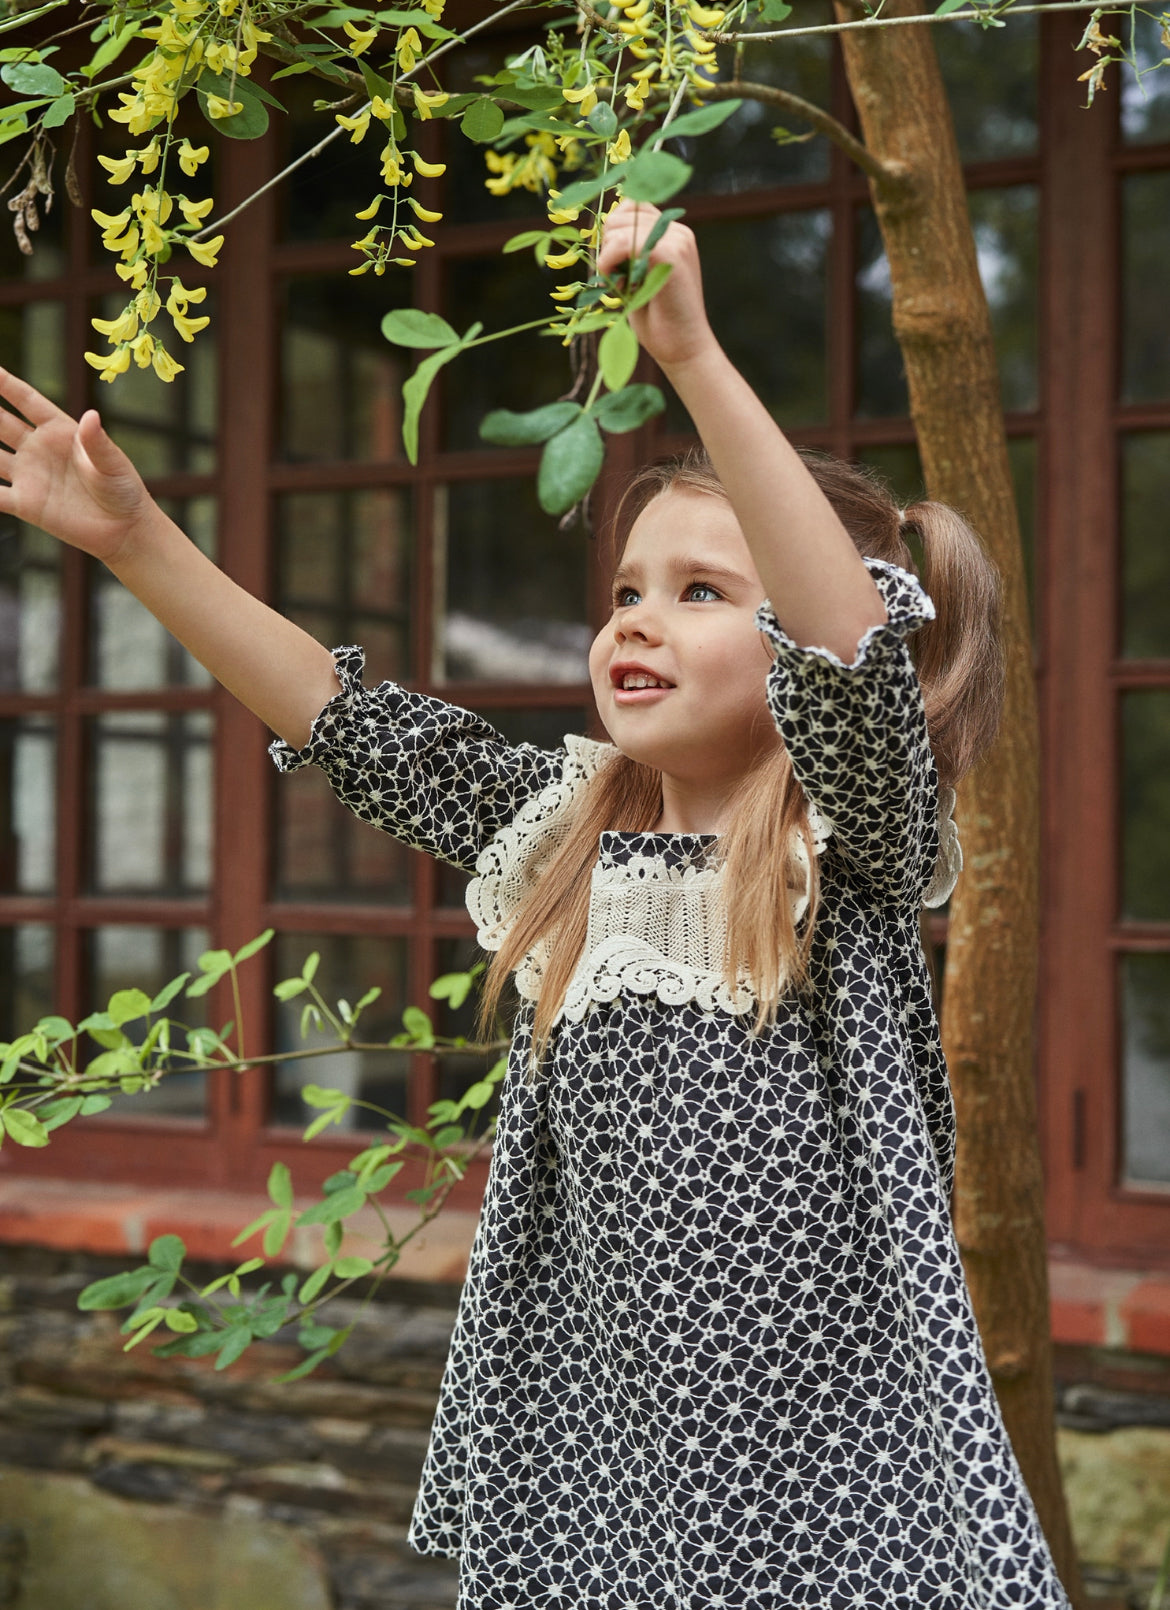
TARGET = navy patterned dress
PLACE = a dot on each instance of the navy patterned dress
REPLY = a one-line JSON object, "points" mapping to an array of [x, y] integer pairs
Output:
{"points": [[715, 1350]]}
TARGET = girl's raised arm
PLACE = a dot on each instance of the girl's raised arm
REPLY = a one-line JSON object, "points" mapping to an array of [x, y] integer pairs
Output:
{"points": [[70, 479], [812, 573]]}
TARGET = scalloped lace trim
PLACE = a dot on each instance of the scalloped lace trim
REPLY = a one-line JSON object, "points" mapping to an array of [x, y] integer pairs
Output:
{"points": [[950, 853]]}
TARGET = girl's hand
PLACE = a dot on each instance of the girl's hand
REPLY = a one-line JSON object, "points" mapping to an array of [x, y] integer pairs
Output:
{"points": [[673, 327], [66, 476]]}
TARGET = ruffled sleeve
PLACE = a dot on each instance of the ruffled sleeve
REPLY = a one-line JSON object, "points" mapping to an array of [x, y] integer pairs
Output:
{"points": [[858, 741], [433, 775]]}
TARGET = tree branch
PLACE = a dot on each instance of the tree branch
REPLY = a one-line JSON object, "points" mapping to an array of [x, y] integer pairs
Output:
{"points": [[882, 173], [925, 17]]}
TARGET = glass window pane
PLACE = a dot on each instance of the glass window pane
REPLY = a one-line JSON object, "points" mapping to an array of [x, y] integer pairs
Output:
{"points": [[1145, 470], [514, 588], [880, 377], [1145, 999], [323, 853], [770, 311], [150, 802], [991, 79], [1145, 804], [1145, 249], [759, 146], [341, 380], [26, 977], [27, 805], [898, 464], [343, 571], [1145, 100], [32, 345], [349, 967], [166, 427], [521, 372], [1005, 227], [128, 648], [137, 957], [318, 201], [30, 608]]}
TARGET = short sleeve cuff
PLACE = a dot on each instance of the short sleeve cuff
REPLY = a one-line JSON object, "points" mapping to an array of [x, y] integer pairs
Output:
{"points": [[907, 606], [349, 663]]}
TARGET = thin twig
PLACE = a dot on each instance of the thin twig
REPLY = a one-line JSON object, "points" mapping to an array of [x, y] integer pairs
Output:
{"points": [[918, 17], [808, 112], [307, 156]]}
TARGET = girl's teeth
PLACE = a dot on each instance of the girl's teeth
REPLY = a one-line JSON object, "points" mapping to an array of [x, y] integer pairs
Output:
{"points": [[631, 682]]}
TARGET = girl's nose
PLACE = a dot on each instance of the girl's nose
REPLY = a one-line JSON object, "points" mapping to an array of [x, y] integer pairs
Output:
{"points": [[636, 621]]}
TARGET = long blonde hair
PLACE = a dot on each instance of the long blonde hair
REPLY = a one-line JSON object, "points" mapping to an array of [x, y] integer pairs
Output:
{"points": [[960, 667]]}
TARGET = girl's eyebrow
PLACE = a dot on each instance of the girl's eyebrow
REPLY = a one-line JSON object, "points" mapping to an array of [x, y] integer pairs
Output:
{"points": [[685, 567]]}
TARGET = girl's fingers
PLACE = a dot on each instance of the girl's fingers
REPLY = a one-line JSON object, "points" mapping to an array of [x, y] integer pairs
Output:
{"points": [[12, 430], [26, 398]]}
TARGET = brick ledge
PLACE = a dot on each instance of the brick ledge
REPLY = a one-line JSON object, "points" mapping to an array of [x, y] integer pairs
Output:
{"points": [[123, 1220]]}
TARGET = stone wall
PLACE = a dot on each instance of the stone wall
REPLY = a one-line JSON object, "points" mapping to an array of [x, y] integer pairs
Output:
{"points": [[166, 1485]]}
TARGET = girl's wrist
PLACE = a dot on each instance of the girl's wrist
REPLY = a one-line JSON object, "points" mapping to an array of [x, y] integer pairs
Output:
{"points": [[697, 368]]}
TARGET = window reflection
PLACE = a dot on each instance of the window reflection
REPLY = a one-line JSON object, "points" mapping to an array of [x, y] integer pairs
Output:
{"points": [[137, 957], [323, 853], [514, 588], [27, 805], [1146, 554], [880, 376], [991, 79], [1145, 248], [32, 345], [30, 608], [770, 312], [343, 571], [26, 977], [349, 966], [521, 372], [1145, 100], [128, 648], [1145, 999], [341, 380], [166, 427], [1145, 804], [1004, 223], [150, 802]]}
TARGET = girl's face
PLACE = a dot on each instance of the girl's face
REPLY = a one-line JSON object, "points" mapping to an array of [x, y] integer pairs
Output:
{"points": [[678, 672]]}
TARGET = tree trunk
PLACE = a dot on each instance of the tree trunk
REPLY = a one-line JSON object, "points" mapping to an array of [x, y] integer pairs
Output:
{"points": [[943, 326]]}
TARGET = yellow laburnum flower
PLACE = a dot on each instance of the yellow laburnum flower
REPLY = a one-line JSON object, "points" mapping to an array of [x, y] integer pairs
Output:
{"points": [[409, 50], [143, 349], [640, 49], [563, 215], [179, 296], [149, 156], [564, 292], [357, 126], [133, 113], [360, 38], [392, 165], [611, 301], [563, 259], [147, 304], [152, 203], [120, 168], [110, 364], [370, 212], [123, 328], [189, 328], [252, 37], [195, 211], [619, 150], [591, 236], [702, 18], [366, 242], [190, 156], [636, 96], [227, 7], [165, 366], [413, 239], [585, 99], [381, 109], [421, 212], [153, 238], [136, 273], [429, 170], [428, 101], [205, 251], [218, 106], [434, 8], [363, 268], [188, 8]]}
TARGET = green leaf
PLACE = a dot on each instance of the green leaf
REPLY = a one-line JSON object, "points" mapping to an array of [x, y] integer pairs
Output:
{"points": [[576, 195], [168, 992], [419, 1026], [650, 287], [569, 465], [248, 124], [380, 1178], [477, 1095], [507, 429], [312, 962], [59, 112], [603, 120], [369, 1159], [277, 1233], [177, 1320], [454, 988], [617, 354], [368, 999], [249, 950], [315, 1096], [376, 84], [117, 1291], [110, 49], [310, 1019], [23, 18], [315, 1284], [414, 395], [166, 1252], [126, 1005], [527, 237], [339, 1205], [449, 1135], [654, 176], [103, 1031], [947, 7], [239, 1339], [289, 988], [619, 411], [32, 78], [55, 1113], [482, 120], [704, 118], [92, 1104], [775, 10], [412, 327], [12, 127], [333, 1116], [353, 1268], [280, 1185], [24, 1127], [340, 1181], [305, 1367], [55, 1029]]}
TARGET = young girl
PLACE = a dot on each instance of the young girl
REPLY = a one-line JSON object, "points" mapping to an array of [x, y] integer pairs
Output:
{"points": [[715, 1348]]}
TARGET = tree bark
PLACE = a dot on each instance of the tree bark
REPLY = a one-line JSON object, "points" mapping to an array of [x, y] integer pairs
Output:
{"points": [[943, 326]]}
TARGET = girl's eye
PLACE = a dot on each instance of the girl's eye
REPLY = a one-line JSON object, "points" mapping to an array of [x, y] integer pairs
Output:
{"points": [[703, 587], [624, 597]]}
